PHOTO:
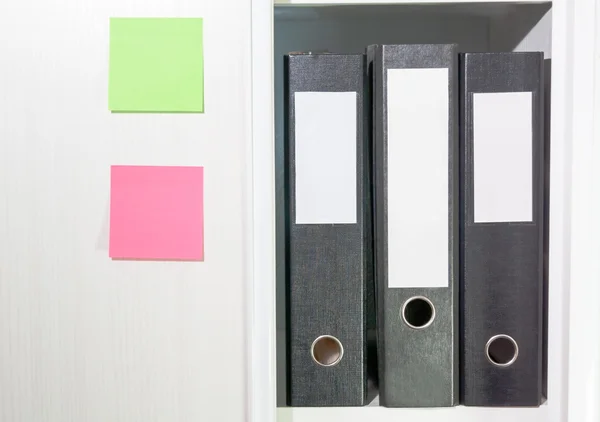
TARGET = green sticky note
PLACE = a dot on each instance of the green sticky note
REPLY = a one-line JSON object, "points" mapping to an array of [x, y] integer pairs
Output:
{"points": [[156, 65]]}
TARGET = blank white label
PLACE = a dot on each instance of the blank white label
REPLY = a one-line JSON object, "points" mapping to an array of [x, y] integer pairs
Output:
{"points": [[502, 157], [417, 190], [325, 157]]}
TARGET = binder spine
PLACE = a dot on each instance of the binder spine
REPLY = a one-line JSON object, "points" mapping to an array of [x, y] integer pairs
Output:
{"points": [[329, 235], [418, 365], [502, 303]]}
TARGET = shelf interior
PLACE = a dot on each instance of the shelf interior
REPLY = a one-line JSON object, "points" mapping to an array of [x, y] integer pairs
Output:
{"points": [[487, 27]]}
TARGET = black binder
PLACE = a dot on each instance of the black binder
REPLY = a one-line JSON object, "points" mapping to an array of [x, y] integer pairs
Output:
{"points": [[502, 305], [416, 168], [330, 233]]}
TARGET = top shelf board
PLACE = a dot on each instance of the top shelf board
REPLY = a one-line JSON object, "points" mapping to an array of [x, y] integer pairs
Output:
{"points": [[390, 9]]}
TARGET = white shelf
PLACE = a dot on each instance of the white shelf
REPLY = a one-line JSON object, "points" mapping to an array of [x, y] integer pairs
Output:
{"points": [[569, 34], [473, 26], [376, 2], [383, 414]]}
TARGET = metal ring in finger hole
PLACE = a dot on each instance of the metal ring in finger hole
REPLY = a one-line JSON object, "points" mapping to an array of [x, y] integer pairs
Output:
{"points": [[502, 350], [327, 350], [418, 312]]}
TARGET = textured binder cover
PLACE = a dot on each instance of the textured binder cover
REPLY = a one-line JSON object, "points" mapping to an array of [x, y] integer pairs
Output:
{"points": [[502, 262], [330, 265], [417, 367]]}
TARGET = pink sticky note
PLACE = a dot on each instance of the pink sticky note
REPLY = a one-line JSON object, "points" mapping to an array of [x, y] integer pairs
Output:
{"points": [[157, 213]]}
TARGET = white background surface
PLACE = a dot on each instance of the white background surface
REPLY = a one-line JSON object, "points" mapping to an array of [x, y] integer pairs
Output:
{"points": [[85, 341], [502, 157], [417, 177], [84, 338], [325, 157]]}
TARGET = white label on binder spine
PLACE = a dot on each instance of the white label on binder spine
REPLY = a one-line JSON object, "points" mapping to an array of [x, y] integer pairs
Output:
{"points": [[325, 157], [417, 169], [502, 157]]}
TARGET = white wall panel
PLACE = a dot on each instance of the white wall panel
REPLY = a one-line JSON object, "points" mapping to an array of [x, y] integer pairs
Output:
{"points": [[84, 338]]}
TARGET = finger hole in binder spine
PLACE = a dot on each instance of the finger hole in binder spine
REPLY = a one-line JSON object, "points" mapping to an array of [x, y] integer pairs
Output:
{"points": [[502, 350], [327, 351], [418, 312]]}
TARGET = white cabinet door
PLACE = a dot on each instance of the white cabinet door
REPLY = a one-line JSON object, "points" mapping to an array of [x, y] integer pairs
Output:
{"points": [[82, 337]]}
